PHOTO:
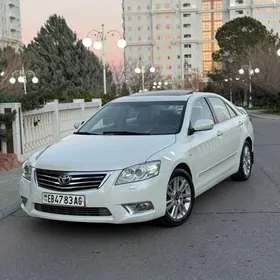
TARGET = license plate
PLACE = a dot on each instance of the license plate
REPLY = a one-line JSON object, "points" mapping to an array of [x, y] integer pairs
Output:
{"points": [[62, 199]]}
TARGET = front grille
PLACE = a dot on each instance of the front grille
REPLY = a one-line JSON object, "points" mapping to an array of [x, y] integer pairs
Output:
{"points": [[73, 211], [49, 179]]}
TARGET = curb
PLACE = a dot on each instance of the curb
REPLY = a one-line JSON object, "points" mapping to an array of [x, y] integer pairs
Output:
{"points": [[262, 117], [10, 209]]}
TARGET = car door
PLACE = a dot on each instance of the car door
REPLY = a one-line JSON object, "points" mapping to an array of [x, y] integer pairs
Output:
{"points": [[229, 129], [204, 147]]}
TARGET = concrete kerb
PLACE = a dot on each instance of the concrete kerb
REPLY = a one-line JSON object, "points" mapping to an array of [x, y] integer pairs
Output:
{"points": [[264, 117], [10, 209]]}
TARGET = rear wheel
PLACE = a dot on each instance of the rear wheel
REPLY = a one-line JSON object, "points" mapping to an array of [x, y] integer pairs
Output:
{"points": [[246, 163], [179, 199]]}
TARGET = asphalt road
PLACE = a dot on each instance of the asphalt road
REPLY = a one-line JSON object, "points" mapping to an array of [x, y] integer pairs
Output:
{"points": [[233, 234]]}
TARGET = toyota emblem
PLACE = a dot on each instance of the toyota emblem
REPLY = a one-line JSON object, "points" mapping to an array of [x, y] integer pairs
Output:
{"points": [[64, 179]]}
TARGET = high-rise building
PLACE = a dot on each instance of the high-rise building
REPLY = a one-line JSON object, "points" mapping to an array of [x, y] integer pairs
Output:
{"points": [[10, 24], [176, 35]]}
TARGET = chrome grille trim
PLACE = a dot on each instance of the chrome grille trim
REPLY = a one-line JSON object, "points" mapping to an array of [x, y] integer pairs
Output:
{"points": [[48, 179]]}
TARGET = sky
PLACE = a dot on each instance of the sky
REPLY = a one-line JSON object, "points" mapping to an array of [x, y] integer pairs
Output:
{"points": [[81, 16]]}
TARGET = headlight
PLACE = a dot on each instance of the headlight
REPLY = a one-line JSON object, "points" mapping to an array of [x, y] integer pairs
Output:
{"points": [[139, 172], [26, 170]]}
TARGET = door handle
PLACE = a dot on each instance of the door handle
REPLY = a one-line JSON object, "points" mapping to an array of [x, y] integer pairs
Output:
{"points": [[220, 133], [240, 123]]}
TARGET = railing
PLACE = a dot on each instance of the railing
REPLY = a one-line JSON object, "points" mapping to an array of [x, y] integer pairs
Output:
{"points": [[34, 130]]}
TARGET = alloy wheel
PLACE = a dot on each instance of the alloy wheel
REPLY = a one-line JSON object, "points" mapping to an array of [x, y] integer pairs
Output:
{"points": [[246, 161]]}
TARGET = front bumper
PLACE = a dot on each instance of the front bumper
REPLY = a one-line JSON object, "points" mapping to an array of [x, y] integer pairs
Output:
{"points": [[108, 196]]}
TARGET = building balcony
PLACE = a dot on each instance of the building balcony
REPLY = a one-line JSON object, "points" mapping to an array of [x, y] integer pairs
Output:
{"points": [[13, 3]]}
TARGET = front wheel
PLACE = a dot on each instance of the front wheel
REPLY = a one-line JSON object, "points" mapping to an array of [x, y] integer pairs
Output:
{"points": [[246, 163], [179, 199]]}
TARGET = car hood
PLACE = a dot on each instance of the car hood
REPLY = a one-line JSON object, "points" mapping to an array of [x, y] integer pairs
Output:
{"points": [[100, 152]]}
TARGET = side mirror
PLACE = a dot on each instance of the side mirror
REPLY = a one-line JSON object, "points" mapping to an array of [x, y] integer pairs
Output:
{"points": [[78, 124], [203, 125]]}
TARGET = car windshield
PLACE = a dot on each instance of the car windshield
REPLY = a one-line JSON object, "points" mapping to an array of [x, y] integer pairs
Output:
{"points": [[136, 118]]}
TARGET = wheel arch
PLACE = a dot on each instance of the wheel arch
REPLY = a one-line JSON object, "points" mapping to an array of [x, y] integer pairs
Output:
{"points": [[185, 167]]}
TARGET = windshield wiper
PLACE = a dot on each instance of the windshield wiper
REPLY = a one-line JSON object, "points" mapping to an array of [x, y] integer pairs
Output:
{"points": [[85, 133], [124, 133]]}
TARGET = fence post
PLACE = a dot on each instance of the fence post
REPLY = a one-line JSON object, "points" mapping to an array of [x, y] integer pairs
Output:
{"points": [[2, 126], [97, 102], [55, 120], [82, 102]]}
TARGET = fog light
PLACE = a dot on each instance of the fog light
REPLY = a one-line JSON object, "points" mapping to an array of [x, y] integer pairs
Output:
{"points": [[134, 208], [24, 200]]}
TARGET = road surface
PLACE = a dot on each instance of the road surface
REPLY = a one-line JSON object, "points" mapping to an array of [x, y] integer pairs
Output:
{"points": [[233, 234]]}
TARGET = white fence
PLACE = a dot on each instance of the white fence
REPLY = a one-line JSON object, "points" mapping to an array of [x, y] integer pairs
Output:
{"points": [[37, 129]]}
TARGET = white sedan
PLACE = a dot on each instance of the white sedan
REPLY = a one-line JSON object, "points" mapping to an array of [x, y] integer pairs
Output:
{"points": [[142, 157]]}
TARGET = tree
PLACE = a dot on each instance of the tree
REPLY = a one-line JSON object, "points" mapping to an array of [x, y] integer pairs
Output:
{"points": [[61, 62], [237, 35]]}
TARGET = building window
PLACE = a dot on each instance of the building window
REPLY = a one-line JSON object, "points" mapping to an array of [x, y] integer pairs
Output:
{"points": [[240, 12], [178, 56], [168, 47], [168, 57], [168, 26], [178, 66], [206, 5], [149, 39], [239, 1], [186, 5], [269, 10], [187, 46], [218, 5], [149, 57], [169, 76], [129, 18], [207, 56], [206, 17], [148, 7], [159, 37], [187, 25], [168, 67], [187, 56], [168, 36], [269, 21], [206, 26], [186, 15], [217, 25], [139, 38], [158, 26], [206, 35], [218, 16], [157, 6], [138, 8], [159, 57], [160, 67], [187, 36], [139, 28], [167, 5], [207, 47], [259, 11], [278, 10], [158, 16], [159, 47], [129, 8], [148, 27]]}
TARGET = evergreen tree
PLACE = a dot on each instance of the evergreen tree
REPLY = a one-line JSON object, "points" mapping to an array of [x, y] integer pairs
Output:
{"points": [[61, 62]]}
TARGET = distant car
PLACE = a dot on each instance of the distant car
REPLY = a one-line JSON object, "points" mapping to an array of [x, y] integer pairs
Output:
{"points": [[142, 157]]}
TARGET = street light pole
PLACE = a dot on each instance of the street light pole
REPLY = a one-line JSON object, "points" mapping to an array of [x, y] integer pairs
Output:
{"points": [[101, 45], [143, 76], [251, 71], [23, 77]]}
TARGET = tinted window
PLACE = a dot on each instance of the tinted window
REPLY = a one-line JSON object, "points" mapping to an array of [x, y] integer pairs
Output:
{"points": [[220, 108], [155, 118], [231, 112], [200, 111]]}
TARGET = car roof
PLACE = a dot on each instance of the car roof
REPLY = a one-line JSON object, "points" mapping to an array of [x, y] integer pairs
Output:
{"points": [[164, 95]]}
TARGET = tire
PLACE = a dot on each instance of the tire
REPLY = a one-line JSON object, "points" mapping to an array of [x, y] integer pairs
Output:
{"points": [[181, 203], [246, 164]]}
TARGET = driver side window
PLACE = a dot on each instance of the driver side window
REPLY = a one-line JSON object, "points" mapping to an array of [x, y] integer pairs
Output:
{"points": [[201, 111]]}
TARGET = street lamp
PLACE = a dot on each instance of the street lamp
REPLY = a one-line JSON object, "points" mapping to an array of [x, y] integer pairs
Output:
{"points": [[278, 52], [143, 70], [251, 71], [22, 77], [230, 86], [2, 74], [100, 44]]}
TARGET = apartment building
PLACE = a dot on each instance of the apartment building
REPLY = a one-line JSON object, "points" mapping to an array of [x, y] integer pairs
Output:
{"points": [[10, 24], [179, 35]]}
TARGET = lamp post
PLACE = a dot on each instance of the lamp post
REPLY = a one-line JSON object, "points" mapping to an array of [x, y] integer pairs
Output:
{"points": [[278, 52], [100, 44], [2, 73], [251, 71], [142, 69], [22, 77]]}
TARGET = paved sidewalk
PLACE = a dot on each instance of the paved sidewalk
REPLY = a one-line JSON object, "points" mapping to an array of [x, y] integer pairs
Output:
{"points": [[260, 114], [9, 196]]}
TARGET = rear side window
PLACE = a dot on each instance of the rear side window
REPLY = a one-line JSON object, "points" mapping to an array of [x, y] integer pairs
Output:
{"points": [[220, 109], [231, 112]]}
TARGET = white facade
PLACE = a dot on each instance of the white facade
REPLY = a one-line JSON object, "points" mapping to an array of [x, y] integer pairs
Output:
{"points": [[10, 24], [178, 35]]}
